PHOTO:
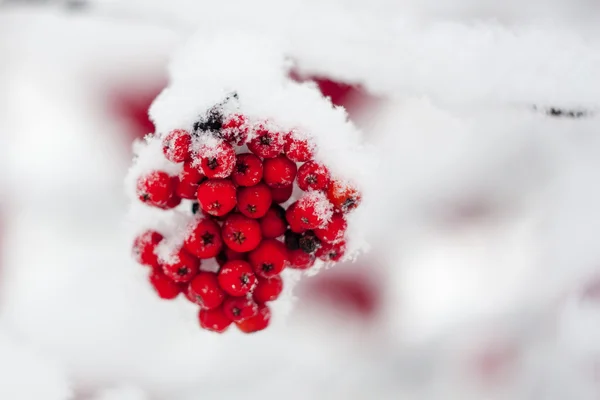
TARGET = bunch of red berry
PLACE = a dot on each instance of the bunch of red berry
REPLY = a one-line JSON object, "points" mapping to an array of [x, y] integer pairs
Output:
{"points": [[236, 197]]}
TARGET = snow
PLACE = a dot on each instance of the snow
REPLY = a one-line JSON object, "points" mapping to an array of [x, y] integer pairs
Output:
{"points": [[481, 212]]}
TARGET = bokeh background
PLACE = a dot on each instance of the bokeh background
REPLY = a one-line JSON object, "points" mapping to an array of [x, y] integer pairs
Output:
{"points": [[482, 278]]}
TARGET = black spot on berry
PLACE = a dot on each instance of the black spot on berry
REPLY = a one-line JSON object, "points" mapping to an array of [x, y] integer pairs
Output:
{"points": [[265, 140], [213, 163], [182, 271], [241, 167], [267, 267], [207, 238]]}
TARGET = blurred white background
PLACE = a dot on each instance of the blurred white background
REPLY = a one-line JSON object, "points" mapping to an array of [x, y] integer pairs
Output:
{"points": [[480, 280]]}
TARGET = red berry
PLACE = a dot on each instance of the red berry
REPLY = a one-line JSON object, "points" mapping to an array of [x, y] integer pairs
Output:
{"points": [[297, 149], [273, 224], [269, 258], [266, 144], [279, 172], [173, 201], [334, 230], [217, 196], [204, 240], [181, 267], [254, 201], [235, 129], [312, 211], [144, 246], [292, 216], [164, 287], [186, 190], [155, 188], [236, 278], [205, 291], [241, 233], [190, 173], [268, 289], [214, 320], [301, 260], [281, 195], [217, 161], [248, 170], [176, 145], [229, 255], [238, 309], [331, 251], [257, 323], [313, 176], [343, 196]]}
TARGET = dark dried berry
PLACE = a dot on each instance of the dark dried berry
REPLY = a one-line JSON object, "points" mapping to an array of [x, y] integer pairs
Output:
{"points": [[309, 242], [292, 240]]}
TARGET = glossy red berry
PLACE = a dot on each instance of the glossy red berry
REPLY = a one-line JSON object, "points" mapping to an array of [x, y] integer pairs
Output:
{"points": [[311, 211], [176, 145], [217, 161], [313, 176], [204, 240], [269, 258], [235, 129], [301, 260], [241, 233], [236, 278], [181, 266], [281, 195], [155, 188], [238, 309], [266, 143], [334, 230], [292, 216], [268, 289], [254, 201], [144, 247], [331, 251], [279, 172], [217, 196], [273, 224], [343, 196], [229, 255], [188, 181], [190, 173], [248, 170], [298, 149], [173, 201], [163, 286], [205, 291], [214, 320], [257, 323]]}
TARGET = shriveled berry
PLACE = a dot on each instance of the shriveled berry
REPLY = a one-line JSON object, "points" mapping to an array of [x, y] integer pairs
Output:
{"points": [[332, 251], [241, 233], [268, 289], [266, 143], [334, 230], [214, 320], [181, 267], [269, 258], [236, 278], [176, 145], [211, 122], [313, 176], [235, 129], [217, 196], [144, 247], [309, 242], [343, 196], [292, 240], [301, 260], [205, 291], [279, 172], [218, 160], [163, 286], [204, 239], [248, 170], [155, 188], [283, 194], [257, 323], [298, 149], [273, 224], [238, 309], [254, 201]]}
